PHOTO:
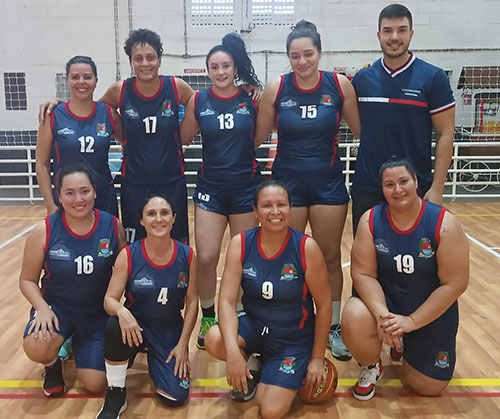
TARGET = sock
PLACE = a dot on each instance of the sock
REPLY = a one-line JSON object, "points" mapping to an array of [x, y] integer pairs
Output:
{"points": [[116, 375], [239, 306], [52, 362], [335, 312], [208, 307]]}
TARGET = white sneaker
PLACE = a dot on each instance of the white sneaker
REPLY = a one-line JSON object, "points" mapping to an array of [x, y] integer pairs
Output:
{"points": [[339, 350], [369, 376]]}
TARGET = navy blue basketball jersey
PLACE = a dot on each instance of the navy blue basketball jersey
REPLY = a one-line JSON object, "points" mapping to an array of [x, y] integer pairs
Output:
{"points": [[155, 294], [406, 260], [396, 107], [77, 269], [227, 128], [152, 150], [275, 292], [83, 140], [308, 121]]}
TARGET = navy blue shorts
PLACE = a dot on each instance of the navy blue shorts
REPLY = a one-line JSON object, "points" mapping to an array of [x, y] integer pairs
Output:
{"points": [[231, 198], [308, 192], [285, 356], [88, 336], [131, 197], [106, 199]]}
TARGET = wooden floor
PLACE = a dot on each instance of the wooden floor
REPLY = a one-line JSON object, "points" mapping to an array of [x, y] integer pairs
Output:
{"points": [[474, 392]]}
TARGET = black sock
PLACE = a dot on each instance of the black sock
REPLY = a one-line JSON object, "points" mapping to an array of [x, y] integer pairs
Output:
{"points": [[208, 312]]}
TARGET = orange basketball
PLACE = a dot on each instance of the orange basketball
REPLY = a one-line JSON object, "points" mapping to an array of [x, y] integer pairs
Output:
{"points": [[323, 392]]}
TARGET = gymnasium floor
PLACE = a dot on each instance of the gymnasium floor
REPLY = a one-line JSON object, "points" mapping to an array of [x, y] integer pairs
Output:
{"points": [[473, 393]]}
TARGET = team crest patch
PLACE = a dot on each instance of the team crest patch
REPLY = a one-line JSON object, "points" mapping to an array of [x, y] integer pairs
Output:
{"points": [[207, 112], [65, 131], [101, 130], [59, 252], [131, 113], [288, 272], [182, 280], [381, 246], [166, 108], [425, 249], [184, 382], [288, 104], [144, 282], [250, 271], [243, 109], [326, 100], [104, 248], [288, 365], [442, 360]]}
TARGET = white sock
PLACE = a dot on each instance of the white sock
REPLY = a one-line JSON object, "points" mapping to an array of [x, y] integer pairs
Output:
{"points": [[239, 306], [335, 312], [116, 374], [207, 303]]}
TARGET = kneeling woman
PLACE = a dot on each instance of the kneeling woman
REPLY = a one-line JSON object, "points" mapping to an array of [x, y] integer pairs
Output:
{"points": [[157, 275], [76, 248], [281, 272]]}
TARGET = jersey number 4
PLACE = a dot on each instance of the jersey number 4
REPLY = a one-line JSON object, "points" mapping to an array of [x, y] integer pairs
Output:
{"points": [[162, 296]]}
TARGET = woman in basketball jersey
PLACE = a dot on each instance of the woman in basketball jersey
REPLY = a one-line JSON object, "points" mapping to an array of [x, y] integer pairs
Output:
{"points": [[157, 275], [225, 115], [306, 106], [79, 131], [283, 275], [75, 248], [410, 263]]}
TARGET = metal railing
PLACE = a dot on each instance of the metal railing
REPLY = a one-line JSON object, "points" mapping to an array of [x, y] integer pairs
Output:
{"points": [[473, 174]]}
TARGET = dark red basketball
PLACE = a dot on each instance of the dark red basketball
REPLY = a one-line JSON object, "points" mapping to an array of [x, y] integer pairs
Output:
{"points": [[323, 392]]}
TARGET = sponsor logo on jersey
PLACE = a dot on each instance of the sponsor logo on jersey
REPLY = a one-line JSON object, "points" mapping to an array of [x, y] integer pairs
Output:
{"points": [[381, 246], [204, 197], [288, 104], [104, 248], [131, 113], [182, 280], [326, 100], [65, 131], [101, 130], [184, 382], [425, 249], [288, 365], [59, 252], [166, 108], [207, 112], [250, 271], [442, 360], [144, 282], [288, 272], [411, 92], [243, 109]]}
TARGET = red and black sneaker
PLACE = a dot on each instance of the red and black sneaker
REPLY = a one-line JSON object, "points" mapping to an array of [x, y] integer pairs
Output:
{"points": [[53, 384], [369, 376], [395, 355]]}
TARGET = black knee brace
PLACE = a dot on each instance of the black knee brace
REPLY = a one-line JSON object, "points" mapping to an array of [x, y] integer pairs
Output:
{"points": [[114, 349], [169, 402]]}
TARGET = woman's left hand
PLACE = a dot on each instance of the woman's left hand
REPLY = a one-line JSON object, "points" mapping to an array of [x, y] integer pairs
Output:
{"points": [[316, 373], [396, 325], [182, 366], [253, 91]]}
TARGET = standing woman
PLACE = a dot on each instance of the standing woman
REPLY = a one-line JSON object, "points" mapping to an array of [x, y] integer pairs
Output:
{"points": [[158, 276], [79, 131], [286, 301], [229, 174], [76, 248], [307, 106]]}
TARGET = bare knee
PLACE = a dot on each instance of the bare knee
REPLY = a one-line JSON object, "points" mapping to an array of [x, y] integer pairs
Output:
{"points": [[40, 350], [273, 410], [214, 343], [356, 318], [425, 386], [92, 381]]}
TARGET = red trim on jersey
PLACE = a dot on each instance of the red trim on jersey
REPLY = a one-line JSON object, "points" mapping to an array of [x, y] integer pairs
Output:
{"points": [[280, 251], [303, 252], [439, 223], [129, 261], [305, 314], [414, 226], [179, 151], [111, 119], [409, 102], [282, 79], [398, 70], [154, 265], [211, 91], [131, 299], [52, 122], [370, 220], [196, 94], [256, 105], [115, 222], [243, 244], [124, 159], [85, 236], [58, 158], [337, 82], [308, 90], [47, 234], [252, 152], [190, 257], [81, 118], [136, 90], [122, 92], [176, 93], [334, 143]]}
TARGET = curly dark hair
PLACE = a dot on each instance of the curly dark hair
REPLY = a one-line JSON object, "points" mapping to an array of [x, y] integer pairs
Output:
{"points": [[143, 36]]}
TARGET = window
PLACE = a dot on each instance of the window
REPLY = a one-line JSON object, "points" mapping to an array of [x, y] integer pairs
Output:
{"points": [[62, 89], [212, 12], [15, 91], [273, 12]]}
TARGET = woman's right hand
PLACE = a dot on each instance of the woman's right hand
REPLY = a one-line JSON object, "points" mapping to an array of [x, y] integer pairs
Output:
{"points": [[45, 109], [131, 331], [237, 372], [45, 320]]}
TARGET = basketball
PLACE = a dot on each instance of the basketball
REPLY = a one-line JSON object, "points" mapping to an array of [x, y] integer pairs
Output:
{"points": [[322, 392]]}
